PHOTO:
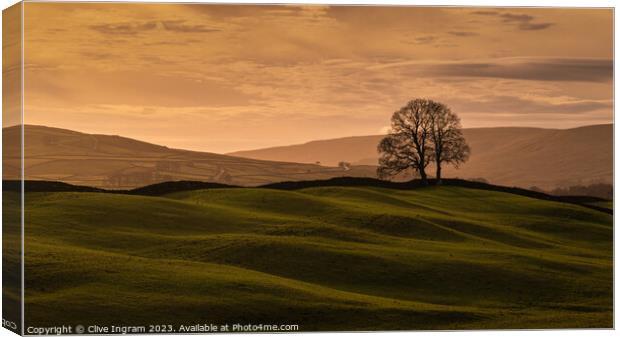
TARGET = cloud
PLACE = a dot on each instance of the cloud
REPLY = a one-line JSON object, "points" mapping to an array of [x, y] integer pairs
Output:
{"points": [[535, 26], [463, 33], [509, 17], [524, 21], [124, 28], [128, 29], [523, 105], [485, 13], [521, 21], [536, 69], [425, 39], [181, 27]]}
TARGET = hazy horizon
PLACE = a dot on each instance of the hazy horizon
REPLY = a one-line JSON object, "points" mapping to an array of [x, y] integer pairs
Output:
{"points": [[224, 78], [300, 143]]}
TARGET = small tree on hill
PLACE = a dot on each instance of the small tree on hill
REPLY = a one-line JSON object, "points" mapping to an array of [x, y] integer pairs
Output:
{"points": [[423, 131]]}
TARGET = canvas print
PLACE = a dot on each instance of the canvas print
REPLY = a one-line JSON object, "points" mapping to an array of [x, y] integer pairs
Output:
{"points": [[194, 168]]}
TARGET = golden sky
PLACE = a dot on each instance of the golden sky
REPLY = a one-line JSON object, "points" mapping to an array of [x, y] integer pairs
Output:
{"points": [[221, 78]]}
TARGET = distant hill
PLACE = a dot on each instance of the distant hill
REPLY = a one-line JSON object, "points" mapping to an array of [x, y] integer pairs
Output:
{"points": [[523, 157], [356, 150], [115, 162], [511, 156]]}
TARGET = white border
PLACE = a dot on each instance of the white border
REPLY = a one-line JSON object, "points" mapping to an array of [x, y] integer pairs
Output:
{"points": [[482, 3]]}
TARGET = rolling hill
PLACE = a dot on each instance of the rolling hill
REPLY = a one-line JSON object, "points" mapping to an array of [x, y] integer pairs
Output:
{"points": [[511, 156], [118, 162], [523, 157], [325, 258]]}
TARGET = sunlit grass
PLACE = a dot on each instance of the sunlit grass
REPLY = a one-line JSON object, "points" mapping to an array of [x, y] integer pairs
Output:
{"points": [[324, 258]]}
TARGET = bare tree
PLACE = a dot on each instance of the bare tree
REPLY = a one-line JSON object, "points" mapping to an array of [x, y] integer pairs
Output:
{"points": [[423, 131], [449, 145], [408, 145]]}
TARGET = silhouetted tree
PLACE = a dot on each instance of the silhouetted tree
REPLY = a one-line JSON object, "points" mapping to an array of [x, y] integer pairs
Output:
{"points": [[408, 145], [449, 145], [345, 166], [421, 132]]}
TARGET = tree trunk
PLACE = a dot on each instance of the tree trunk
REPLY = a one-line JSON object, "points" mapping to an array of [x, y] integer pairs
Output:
{"points": [[438, 163], [423, 179]]}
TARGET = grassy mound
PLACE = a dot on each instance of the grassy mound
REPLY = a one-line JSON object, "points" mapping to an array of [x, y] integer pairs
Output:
{"points": [[326, 258], [169, 187]]}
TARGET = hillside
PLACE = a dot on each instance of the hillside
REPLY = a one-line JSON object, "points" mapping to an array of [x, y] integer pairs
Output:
{"points": [[117, 162], [511, 156], [159, 189], [326, 258], [523, 157]]}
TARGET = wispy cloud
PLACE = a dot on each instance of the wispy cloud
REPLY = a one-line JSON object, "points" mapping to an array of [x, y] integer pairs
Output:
{"points": [[491, 13], [521, 21], [535, 26], [463, 33], [537, 69], [510, 17], [182, 27], [524, 105], [127, 28], [425, 39]]}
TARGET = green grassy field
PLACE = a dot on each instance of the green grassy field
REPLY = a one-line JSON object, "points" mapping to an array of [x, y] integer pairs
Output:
{"points": [[605, 204], [329, 258]]}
